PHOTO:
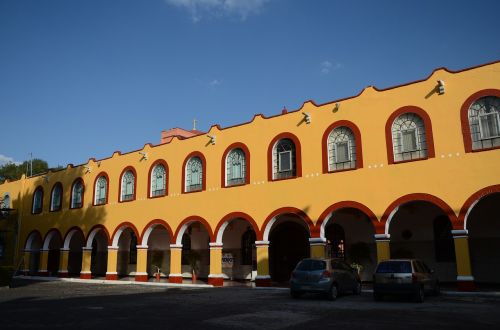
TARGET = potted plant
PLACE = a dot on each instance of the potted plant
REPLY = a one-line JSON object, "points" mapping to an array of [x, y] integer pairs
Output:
{"points": [[193, 259]]}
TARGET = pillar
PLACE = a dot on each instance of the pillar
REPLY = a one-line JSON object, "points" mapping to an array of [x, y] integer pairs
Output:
{"points": [[86, 273], [263, 277], [465, 280], [63, 263], [111, 273], [383, 247], [175, 275], [26, 261], [216, 278], [141, 274], [44, 259], [318, 247]]}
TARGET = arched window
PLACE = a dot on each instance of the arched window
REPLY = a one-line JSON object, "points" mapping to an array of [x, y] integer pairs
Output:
{"points": [[484, 123], [37, 201], [341, 149], [444, 246], [158, 181], [284, 159], [127, 186], [194, 174], [235, 167], [77, 194], [5, 204], [56, 197], [101, 188], [408, 137], [247, 246]]}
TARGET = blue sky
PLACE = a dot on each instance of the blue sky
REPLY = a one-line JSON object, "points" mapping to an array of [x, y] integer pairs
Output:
{"points": [[83, 78]]}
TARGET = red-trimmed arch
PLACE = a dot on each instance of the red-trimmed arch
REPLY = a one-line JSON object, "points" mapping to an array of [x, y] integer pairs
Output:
{"points": [[298, 155], [325, 216], [415, 198], [49, 236], [105, 175], [464, 117], [473, 200], [246, 151], [35, 234], [57, 184], [288, 210], [204, 171], [132, 169], [235, 215], [122, 226], [39, 188], [71, 193], [75, 229], [187, 221], [97, 228], [428, 132], [357, 140], [165, 165], [151, 225]]}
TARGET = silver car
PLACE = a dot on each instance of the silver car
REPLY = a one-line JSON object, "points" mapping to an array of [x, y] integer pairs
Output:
{"points": [[404, 276], [327, 276]]}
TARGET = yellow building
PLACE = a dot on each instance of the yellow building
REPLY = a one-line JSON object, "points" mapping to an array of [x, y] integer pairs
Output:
{"points": [[408, 171]]}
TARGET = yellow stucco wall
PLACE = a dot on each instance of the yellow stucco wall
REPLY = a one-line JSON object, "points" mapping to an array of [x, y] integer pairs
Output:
{"points": [[452, 175]]}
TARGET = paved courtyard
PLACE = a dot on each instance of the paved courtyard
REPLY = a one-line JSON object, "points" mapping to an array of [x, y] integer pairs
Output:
{"points": [[63, 305]]}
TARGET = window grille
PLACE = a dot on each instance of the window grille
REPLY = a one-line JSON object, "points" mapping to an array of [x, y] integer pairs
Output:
{"points": [[484, 123], [100, 190], [284, 162], [408, 137], [235, 167], [37, 201], [341, 149], [56, 198], [194, 175], [77, 195], [128, 182], [158, 181]]}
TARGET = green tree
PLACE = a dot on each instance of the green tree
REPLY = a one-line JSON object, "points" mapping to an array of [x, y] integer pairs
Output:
{"points": [[12, 171]]}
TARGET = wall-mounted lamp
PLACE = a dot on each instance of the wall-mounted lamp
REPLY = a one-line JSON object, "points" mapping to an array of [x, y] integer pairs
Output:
{"points": [[45, 178], [87, 168], [98, 164], [336, 107], [144, 155], [307, 117], [212, 138], [440, 87]]}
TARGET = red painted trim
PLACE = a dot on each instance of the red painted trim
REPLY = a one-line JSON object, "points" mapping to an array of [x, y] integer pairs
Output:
{"points": [[43, 273], [141, 278], [74, 228], [33, 200], [33, 232], [165, 165], [125, 225], [175, 279], [216, 281], [420, 197], [246, 151], [71, 193], [52, 194], [428, 132], [298, 156], [466, 286], [473, 199], [63, 274], [289, 210], [111, 277], [107, 188], [357, 140], [377, 226], [58, 235], [204, 171], [237, 215], [100, 227], [86, 276], [191, 219], [132, 169], [464, 117], [263, 282], [154, 223]]}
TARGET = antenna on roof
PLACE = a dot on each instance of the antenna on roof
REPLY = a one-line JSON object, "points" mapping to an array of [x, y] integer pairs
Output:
{"points": [[194, 124]]}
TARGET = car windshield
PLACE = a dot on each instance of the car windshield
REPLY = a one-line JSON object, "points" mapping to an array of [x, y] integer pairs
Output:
{"points": [[394, 267], [309, 264]]}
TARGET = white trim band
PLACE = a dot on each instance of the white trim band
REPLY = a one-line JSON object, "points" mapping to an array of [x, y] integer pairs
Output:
{"points": [[261, 242], [465, 278], [176, 246], [460, 232], [263, 277], [111, 273], [140, 273], [382, 237], [85, 272], [142, 247], [215, 245], [88, 249], [113, 247], [174, 275], [317, 240], [216, 276]]}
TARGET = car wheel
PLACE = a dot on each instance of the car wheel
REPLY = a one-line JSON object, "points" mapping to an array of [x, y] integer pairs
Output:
{"points": [[420, 295], [357, 288], [333, 293], [377, 296], [295, 294], [437, 289]]}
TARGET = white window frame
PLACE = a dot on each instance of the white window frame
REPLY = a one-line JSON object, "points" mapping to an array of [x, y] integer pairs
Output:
{"points": [[97, 190], [52, 206], [348, 151], [415, 134], [497, 117], [154, 179], [124, 187], [280, 166], [35, 194], [73, 195]]}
